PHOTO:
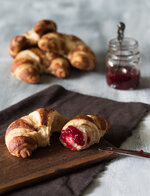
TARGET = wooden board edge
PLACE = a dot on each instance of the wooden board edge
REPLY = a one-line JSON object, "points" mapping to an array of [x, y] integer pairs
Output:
{"points": [[65, 169]]}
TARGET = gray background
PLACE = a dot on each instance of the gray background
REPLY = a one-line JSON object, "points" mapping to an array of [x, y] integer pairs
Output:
{"points": [[95, 22]]}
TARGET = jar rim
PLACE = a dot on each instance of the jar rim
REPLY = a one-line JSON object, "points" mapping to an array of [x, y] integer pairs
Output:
{"points": [[127, 43]]}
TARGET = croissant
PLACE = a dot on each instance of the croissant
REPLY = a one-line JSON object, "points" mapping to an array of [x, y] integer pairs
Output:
{"points": [[29, 64], [31, 38], [83, 131], [78, 53], [28, 133]]}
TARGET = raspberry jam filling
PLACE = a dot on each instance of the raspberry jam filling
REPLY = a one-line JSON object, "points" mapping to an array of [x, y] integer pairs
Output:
{"points": [[123, 77], [71, 136]]}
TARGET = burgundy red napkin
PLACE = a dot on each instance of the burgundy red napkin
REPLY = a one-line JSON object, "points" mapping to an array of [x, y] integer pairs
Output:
{"points": [[124, 117]]}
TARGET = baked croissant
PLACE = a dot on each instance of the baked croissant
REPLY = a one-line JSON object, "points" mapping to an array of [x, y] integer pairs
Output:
{"points": [[31, 38], [78, 53], [42, 50], [28, 133], [29, 64], [83, 131]]}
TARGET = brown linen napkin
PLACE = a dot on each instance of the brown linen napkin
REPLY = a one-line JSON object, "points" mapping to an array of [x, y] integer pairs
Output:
{"points": [[124, 117]]}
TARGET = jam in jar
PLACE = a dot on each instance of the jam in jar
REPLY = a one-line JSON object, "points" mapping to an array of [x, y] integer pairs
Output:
{"points": [[122, 64]]}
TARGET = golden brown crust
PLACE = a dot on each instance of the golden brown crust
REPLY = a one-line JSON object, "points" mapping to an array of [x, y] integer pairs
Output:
{"points": [[102, 122], [29, 64], [79, 54], [32, 131], [99, 121], [18, 62], [20, 123], [44, 114], [30, 76], [30, 38], [38, 53], [45, 26], [26, 69], [49, 57], [17, 44], [82, 117], [18, 143], [59, 67]]}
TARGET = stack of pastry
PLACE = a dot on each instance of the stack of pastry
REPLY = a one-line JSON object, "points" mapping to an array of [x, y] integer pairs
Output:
{"points": [[44, 50]]}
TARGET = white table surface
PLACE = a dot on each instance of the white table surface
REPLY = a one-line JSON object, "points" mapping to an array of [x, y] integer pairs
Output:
{"points": [[95, 22]]}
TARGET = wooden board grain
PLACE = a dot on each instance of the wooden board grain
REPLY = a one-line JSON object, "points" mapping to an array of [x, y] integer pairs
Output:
{"points": [[45, 163]]}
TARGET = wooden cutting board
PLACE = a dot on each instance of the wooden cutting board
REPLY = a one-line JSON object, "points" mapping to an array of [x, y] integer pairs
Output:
{"points": [[45, 163]]}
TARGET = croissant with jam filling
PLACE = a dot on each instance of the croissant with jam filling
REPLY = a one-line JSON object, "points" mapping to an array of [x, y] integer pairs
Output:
{"points": [[83, 131]]}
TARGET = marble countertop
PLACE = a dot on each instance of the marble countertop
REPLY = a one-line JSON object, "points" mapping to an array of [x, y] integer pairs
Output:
{"points": [[94, 21]]}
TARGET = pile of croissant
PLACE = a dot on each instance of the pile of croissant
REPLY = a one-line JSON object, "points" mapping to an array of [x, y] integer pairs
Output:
{"points": [[26, 134], [43, 50]]}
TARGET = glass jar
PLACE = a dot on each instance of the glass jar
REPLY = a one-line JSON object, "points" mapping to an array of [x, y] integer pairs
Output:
{"points": [[122, 64]]}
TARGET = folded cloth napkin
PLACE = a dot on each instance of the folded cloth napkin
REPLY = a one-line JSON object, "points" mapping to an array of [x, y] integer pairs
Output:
{"points": [[124, 117]]}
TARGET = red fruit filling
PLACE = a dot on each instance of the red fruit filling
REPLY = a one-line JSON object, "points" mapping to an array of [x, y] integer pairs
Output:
{"points": [[123, 77], [141, 152], [70, 136]]}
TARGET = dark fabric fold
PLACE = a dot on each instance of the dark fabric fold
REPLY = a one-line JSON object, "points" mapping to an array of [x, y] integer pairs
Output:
{"points": [[124, 117]]}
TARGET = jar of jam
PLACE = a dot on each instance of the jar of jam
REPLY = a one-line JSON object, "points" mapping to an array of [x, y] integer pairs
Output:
{"points": [[123, 61]]}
